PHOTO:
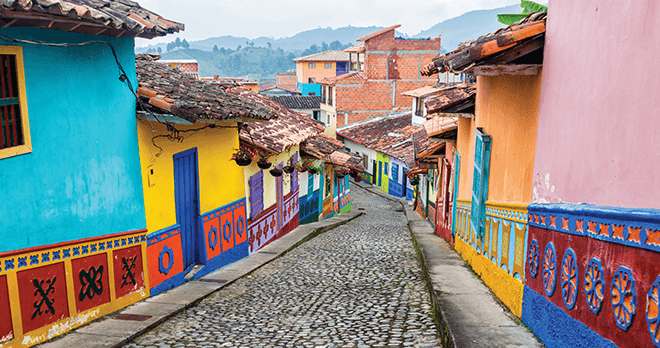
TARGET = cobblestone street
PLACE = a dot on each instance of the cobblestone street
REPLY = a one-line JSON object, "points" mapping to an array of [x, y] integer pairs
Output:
{"points": [[359, 285]]}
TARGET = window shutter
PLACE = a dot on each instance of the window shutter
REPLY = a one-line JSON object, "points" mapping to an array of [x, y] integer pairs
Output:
{"points": [[480, 181], [294, 175], [256, 183], [457, 174]]}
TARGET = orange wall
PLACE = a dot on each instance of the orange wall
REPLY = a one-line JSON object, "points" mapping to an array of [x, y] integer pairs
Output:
{"points": [[507, 110], [303, 72]]}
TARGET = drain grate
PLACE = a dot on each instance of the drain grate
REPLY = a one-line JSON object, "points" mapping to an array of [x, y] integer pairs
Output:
{"points": [[213, 280], [132, 317], [267, 252]]}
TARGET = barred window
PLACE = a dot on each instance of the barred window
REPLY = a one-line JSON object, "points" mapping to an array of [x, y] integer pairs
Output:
{"points": [[14, 127]]}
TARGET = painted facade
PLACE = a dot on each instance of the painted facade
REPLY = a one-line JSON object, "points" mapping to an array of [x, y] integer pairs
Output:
{"points": [[70, 180], [311, 69], [310, 202]]}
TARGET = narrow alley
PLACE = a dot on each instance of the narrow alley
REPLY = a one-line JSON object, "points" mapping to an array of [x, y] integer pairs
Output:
{"points": [[359, 285]]}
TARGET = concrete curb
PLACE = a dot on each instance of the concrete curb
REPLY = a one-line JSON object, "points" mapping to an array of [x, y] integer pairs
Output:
{"points": [[112, 332]]}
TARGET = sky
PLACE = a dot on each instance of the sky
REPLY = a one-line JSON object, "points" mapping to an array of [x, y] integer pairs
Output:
{"points": [[284, 18]]}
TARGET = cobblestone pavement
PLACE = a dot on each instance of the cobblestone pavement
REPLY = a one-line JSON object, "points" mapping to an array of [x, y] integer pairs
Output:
{"points": [[359, 285]]}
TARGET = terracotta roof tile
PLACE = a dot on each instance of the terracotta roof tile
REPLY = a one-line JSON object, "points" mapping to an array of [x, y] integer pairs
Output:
{"points": [[425, 91], [298, 101], [452, 96], [380, 32], [356, 49], [170, 91], [320, 145], [288, 129], [477, 51], [353, 77], [441, 127], [327, 56], [98, 17], [387, 134]]}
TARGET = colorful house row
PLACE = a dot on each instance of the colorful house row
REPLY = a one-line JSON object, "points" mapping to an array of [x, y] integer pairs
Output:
{"points": [[311, 69], [545, 138], [384, 143], [73, 229]]}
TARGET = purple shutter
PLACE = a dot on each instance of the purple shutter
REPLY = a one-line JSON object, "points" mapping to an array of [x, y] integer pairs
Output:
{"points": [[294, 175], [256, 183]]}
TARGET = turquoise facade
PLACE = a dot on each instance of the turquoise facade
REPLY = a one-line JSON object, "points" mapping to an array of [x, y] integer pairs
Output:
{"points": [[307, 88], [82, 178]]}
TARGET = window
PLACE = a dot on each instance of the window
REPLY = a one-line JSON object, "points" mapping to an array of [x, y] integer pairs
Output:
{"points": [[328, 120], [419, 107], [311, 65], [329, 95], [328, 65], [323, 94], [395, 172], [311, 93], [385, 168], [256, 183], [365, 161], [316, 114], [311, 80], [14, 125]]}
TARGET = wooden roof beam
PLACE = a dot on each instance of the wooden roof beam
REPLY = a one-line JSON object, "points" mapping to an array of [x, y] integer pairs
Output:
{"points": [[507, 69]]}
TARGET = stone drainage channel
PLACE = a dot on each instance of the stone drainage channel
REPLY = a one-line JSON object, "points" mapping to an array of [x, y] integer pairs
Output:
{"points": [[358, 285]]}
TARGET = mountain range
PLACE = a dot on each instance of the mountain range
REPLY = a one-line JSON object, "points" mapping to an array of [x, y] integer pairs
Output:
{"points": [[465, 27]]}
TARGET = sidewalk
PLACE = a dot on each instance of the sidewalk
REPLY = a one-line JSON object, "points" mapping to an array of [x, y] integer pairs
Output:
{"points": [[119, 328], [467, 313]]}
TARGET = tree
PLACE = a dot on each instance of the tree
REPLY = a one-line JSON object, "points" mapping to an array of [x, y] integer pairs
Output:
{"points": [[269, 45], [169, 46], [313, 48], [223, 51], [290, 57], [324, 47], [160, 50], [215, 48], [185, 44], [336, 46], [527, 6], [239, 47], [177, 42]]}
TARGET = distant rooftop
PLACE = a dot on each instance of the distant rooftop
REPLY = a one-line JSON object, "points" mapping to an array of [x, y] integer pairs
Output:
{"points": [[327, 56]]}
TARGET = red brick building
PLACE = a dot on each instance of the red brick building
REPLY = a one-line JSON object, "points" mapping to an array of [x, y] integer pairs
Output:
{"points": [[391, 67]]}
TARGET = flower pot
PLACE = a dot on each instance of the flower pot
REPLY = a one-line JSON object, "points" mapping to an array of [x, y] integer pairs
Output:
{"points": [[340, 176], [243, 161], [358, 178], [312, 171], [288, 169], [276, 172], [263, 164], [354, 174]]}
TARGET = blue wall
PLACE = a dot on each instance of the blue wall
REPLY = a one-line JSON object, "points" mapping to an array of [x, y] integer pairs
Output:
{"points": [[82, 178], [306, 88]]}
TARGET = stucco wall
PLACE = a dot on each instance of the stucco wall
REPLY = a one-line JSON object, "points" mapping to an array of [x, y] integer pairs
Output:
{"points": [[82, 178], [598, 116], [220, 180]]}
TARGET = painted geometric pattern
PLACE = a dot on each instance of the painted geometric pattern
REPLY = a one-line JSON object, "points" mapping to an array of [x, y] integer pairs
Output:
{"points": [[632, 227], [594, 280], [263, 229], [290, 207], [569, 278], [624, 297], [549, 269], [185, 67], [505, 236], [164, 255], [345, 199], [653, 311], [309, 205], [533, 258], [224, 228], [62, 286]]}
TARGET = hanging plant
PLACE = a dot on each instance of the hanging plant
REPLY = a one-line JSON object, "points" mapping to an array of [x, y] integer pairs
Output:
{"points": [[263, 163], [276, 172], [342, 172], [354, 173], [290, 167], [414, 180], [314, 169], [243, 156]]}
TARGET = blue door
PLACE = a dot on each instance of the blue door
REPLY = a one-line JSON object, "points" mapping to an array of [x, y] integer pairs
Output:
{"points": [[380, 173], [186, 198]]}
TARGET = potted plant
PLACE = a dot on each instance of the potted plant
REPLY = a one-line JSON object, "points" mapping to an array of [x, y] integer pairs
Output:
{"points": [[314, 169], [414, 180], [342, 172], [354, 174], [290, 167], [263, 163], [243, 156], [276, 172]]}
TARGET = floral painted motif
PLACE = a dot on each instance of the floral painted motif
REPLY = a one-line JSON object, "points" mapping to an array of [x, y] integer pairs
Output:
{"points": [[569, 282], [652, 313], [624, 297], [593, 285], [533, 258], [549, 269]]}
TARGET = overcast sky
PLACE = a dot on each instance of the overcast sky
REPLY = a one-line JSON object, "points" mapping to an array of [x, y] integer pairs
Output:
{"points": [[282, 18]]}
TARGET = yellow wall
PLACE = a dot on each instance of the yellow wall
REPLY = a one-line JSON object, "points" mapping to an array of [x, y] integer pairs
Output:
{"points": [[220, 180], [269, 180], [507, 109], [303, 72]]}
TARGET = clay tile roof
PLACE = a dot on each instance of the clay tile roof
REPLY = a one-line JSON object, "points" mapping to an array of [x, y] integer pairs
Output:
{"points": [[298, 101], [320, 145], [166, 90], [434, 148], [425, 91], [344, 158], [442, 127], [356, 49], [353, 77], [327, 56], [457, 96], [491, 45], [380, 32], [288, 129], [420, 142], [97, 17]]}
